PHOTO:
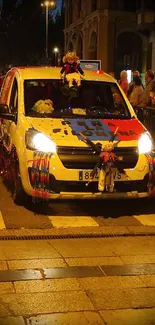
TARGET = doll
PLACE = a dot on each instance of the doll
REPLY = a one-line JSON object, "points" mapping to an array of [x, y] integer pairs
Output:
{"points": [[43, 106], [71, 69], [107, 161], [108, 158]]}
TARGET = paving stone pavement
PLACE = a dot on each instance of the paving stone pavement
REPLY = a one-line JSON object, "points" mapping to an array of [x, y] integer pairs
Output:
{"points": [[109, 281]]}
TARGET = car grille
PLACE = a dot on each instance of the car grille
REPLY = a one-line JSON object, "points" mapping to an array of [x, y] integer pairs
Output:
{"points": [[86, 158]]}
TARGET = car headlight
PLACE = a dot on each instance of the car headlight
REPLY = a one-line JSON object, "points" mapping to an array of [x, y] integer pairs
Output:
{"points": [[145, 143], [38, 141]]}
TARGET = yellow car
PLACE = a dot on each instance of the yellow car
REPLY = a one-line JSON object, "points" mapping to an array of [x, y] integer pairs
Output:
{"points": [[75, 142]]}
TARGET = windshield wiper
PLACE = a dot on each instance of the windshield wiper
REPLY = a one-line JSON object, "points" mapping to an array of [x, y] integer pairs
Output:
{"points": [[97, 107]]}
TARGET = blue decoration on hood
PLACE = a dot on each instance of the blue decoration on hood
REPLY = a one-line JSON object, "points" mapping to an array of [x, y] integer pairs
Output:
{"points": [[93, 129]]}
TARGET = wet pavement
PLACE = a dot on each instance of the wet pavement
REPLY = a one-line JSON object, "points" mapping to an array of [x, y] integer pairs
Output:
{"points": [[78, 281], [70, 263]]}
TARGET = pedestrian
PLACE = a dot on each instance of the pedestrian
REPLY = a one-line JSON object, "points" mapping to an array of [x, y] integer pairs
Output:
{"points": [[123, 82], [137, 90], [145, 96], [131, 84], [152, 95], [145, 99]]}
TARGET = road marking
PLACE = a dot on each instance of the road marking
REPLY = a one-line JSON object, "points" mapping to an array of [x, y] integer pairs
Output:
{"points": [[2, 224], [70, 222], [146, 219]]}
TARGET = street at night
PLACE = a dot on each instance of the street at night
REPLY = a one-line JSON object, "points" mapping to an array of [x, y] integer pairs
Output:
{"points": [[75, 213], [98, 254], [77, 162]]}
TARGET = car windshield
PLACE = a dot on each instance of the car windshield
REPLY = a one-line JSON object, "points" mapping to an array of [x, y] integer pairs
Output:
{"points": [[93, 99]]}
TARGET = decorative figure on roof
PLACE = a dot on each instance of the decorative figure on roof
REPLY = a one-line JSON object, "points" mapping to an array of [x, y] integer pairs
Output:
{"points": [[71, 70]]}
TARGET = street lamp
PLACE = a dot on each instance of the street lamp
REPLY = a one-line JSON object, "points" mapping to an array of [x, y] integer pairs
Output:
{"points": [[47, 4], [56, 51]]}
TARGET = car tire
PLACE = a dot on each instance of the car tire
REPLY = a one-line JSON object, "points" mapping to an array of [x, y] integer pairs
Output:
{"points": [[18, 194]]}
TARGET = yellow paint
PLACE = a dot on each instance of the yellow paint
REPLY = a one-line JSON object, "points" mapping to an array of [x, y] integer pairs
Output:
{"points": [[2, 224], [69, 222], [16, 132], [146, 219]]}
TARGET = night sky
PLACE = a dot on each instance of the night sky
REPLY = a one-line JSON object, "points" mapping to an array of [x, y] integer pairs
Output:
{"points": [[59, 2]]}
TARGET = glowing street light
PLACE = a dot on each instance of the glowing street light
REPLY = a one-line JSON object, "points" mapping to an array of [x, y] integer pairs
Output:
{"points": [[56, 51], [47, 5]]}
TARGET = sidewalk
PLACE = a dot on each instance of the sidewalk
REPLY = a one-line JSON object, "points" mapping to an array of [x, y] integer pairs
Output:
{"points": [[107, 279]]}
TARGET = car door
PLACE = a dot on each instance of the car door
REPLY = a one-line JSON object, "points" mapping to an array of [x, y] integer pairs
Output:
{"points": [[9, 126]]}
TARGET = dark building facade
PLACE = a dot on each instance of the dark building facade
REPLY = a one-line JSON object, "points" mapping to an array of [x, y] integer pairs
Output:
{"points": [[120, 33]]}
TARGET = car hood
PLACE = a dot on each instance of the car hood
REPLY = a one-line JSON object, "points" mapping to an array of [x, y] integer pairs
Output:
{"points": [[67, 131]]}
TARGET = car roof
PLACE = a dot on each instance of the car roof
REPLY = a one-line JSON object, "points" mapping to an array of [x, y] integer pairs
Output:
{"points": [[46, 72]]}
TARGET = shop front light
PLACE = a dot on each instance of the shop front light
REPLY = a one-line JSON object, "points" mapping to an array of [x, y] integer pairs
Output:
{"points": [[145, 143], [38, 141]]}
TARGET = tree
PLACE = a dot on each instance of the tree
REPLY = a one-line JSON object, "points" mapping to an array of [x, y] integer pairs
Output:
{"points": [[23, 25], [56, 34]]}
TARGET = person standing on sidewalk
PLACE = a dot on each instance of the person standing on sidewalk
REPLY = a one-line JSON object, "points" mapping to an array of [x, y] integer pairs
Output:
{"points": [[136, 92], [152, 95], [131, 84], [145, 99], [123, 82]]}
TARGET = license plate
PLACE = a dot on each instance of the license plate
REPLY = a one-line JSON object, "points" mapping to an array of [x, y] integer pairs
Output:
{"points": [[85, 175]]}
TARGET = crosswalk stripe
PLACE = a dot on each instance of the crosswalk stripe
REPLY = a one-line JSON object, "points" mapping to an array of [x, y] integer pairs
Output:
{"points": [[2, 224], [146, 219], [69, 222]]}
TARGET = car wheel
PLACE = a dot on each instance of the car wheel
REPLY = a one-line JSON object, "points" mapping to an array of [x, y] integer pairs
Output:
{"points": [[18, 194]]}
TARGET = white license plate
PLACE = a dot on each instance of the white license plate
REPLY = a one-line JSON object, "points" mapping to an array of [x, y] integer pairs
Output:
{"points": [[85, 175]]}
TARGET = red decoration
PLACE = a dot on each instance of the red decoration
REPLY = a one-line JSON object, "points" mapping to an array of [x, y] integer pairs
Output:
{"points": [[100, 72], [40, 175], [127, 129], [151, 183]]}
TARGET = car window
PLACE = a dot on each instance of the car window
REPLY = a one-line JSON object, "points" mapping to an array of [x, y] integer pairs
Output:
{"points": [[92, 99], [13, 105]]}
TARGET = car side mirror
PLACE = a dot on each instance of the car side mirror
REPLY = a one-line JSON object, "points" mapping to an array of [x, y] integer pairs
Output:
{"points": [[4, 113], [4, 108]]}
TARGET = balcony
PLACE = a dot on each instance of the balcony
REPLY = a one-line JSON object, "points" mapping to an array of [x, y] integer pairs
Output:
{"points": [[146, 21]]}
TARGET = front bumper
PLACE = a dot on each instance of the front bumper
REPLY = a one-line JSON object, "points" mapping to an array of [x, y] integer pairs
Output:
{"points": [[64, 182], [97, 196], [58, 189]]}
